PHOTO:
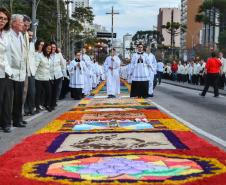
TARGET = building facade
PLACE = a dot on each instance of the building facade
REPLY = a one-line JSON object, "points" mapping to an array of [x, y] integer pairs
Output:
{"points": [[193, 35], [167, 15], [127, 41]]}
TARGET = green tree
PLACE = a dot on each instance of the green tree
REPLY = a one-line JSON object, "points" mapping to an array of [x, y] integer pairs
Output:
{"points": [[79, 36]]}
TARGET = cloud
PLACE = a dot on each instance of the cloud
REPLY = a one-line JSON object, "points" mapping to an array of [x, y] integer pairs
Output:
{"points": [[134, 14]]}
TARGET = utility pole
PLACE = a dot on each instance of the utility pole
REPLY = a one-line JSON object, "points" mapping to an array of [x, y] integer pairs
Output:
{"points": [[68, 30], [112, 13], [34, 19], [58, 24]]}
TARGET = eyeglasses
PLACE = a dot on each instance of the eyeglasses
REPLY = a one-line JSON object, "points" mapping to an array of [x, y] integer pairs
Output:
{"points": [[4, 19]]}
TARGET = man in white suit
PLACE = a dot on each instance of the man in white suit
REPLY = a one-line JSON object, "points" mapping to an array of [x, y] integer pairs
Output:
{"points": [[16, 60], [29, 105]]}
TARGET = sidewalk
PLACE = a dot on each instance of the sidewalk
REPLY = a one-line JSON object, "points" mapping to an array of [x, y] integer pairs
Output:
{"points": [[190, 86]]}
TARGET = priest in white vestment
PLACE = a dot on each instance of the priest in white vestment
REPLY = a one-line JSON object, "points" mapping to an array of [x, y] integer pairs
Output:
{"points": [[88, 72], [112, 68], [152, 71], [139, 73], [77, 74]]}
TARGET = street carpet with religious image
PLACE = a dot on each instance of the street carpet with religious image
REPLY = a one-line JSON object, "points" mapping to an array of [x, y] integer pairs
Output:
{"points": [[120, 141]]}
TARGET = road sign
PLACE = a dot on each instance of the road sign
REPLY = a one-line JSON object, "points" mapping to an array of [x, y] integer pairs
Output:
{"points": [[105, 35]]}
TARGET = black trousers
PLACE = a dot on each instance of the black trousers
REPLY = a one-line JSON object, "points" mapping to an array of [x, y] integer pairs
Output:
{"points": [[159, 74], [18, 91], [76, 93], [139, 89], [65, 88], [6, 98], [55, 87], [195, 79], [222, 81], [30, 99], [211, 80], [42, 87]]}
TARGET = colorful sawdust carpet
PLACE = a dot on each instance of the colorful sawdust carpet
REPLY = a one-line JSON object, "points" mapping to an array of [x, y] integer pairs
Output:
{"points": [[114, 141]]}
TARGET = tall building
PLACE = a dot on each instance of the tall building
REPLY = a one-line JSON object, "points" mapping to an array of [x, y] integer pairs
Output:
{"points": [[192, 36], [127, 40], [167, 15], [78, 3]]}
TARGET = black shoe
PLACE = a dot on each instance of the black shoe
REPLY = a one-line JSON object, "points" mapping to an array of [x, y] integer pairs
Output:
{"points": [[200, 94], [37, 111], [27, 114], [18, 125], [24, 122], [7, 129], [216, 96], [151, 95]]}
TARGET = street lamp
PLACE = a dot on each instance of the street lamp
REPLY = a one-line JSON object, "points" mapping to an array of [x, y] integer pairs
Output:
{"points": [[67, 2]]}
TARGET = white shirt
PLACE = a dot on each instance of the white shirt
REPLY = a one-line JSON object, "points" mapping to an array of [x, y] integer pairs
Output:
{"points": [[4, 63], [15, 55], [57, 66], [160, 66], [223, 67], [43, 68]]}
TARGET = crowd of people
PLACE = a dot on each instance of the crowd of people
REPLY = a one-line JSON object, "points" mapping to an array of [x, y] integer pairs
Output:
{"points": [[194, 71], [33, 76]]}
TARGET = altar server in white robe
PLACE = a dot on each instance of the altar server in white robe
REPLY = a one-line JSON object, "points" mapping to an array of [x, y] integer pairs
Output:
{"points": [[139, 73], [77, 74], [112, 68], [88, 72], [152, 71]]}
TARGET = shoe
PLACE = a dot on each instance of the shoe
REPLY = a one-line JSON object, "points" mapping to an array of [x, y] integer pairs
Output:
{"points": [[18, 125], [24, 122], [216, 96], [200, 94], [151, 95], [7, 129], [41, 107], [37, 111], [49, 109], [27, 114]]}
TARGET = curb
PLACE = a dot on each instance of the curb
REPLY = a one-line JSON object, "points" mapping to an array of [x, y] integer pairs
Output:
{"points": [[193, 88]]}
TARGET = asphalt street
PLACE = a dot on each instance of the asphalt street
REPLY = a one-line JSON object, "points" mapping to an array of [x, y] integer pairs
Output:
{"points": [[206, 113]]}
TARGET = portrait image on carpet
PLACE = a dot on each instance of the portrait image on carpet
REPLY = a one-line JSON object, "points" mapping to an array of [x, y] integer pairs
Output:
{"points": [[74, 142]]}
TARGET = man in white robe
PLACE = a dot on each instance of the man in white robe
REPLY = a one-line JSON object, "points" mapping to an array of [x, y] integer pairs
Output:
{"points": [[88, 73], [112, 68], [139, 72], [77, 74], [152, 71]]}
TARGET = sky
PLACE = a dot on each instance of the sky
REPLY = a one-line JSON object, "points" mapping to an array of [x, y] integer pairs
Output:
{"points": [[134, 15]]}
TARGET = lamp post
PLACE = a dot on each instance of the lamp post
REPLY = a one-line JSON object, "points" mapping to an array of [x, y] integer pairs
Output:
{"points": [[68, 53]]}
